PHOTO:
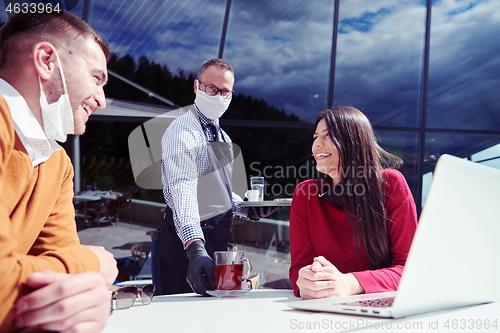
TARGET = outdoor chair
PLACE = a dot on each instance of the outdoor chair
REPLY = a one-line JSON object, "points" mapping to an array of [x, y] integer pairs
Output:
{"points": [[140, 253], [121, 204], [97, 208], [237, 227], [130, 268]]}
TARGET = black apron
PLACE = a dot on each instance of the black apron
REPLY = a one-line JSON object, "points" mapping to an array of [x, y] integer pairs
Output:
{"points": [[169, 262]]}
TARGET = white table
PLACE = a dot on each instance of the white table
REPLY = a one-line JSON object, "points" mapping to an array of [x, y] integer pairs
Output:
{"points": [[267, 203], [95, 196], [265, 311], [90, 196]]}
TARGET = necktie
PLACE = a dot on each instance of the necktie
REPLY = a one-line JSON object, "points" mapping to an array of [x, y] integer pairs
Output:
{"points": [[214, 131]]}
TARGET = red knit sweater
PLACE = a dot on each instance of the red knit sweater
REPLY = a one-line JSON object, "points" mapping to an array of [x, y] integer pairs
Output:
{"points": [[321, 228]]}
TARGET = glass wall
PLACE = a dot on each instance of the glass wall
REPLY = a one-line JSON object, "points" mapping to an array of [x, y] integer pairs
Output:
{"points": [[405, 145], [425, 97], [464, 76], [489, 156], [481, 148], [179, 34], [379, 59], [464, 66], [281, 52]]}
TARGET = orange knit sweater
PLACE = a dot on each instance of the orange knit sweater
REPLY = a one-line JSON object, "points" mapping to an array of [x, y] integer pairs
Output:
{"points": [[37, 219]]}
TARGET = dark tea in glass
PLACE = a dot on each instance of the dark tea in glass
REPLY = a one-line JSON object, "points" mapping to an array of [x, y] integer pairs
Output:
{"points": [[228, 277], [229, 270]]}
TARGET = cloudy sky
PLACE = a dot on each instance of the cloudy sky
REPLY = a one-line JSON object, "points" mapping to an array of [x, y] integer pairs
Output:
{"points": [[280, 50], [178, 33]]}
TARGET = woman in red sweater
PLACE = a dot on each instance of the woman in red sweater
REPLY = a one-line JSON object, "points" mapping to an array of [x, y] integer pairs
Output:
{"points": [[350, 233]]}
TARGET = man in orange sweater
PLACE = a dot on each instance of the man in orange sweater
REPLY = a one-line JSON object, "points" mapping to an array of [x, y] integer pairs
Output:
{"points": [[52, 73]]}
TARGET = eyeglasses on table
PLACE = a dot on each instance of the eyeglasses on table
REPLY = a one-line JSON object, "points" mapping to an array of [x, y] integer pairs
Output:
{"points": [[125, 297]]}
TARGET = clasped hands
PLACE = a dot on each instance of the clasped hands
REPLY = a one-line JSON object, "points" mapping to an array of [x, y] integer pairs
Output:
{"points": [[322, 279], [65, 303], [69, 303]]}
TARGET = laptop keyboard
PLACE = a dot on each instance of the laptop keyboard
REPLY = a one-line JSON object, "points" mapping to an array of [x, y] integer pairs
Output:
{"points": [[378, 303]]}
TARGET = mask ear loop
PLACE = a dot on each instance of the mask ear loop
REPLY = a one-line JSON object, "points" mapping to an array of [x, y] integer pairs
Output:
{"points": [[198, 85], [197, 91], [62, 73], [42, 93], [65, 89], [67, 120]]}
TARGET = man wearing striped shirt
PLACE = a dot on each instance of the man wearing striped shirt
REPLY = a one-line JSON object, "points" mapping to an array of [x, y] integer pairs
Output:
{"points": [[197, 160]]}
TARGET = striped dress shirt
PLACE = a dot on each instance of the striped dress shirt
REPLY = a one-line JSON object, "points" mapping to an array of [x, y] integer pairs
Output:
{"points": [[185, 159]]}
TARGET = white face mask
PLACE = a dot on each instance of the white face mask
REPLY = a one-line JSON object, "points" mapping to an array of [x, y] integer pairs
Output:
{"points": [[211, 106], [57, 117]]}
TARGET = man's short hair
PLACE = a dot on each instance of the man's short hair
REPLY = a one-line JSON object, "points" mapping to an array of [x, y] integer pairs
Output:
{"points": [[220, 63], [23, 30]]}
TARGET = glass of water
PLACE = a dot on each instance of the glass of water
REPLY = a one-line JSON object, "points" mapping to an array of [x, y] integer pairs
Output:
{"points": [[257, 183]]}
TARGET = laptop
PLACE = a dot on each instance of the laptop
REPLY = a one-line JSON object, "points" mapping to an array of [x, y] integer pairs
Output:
{"points": [[453, 260]]}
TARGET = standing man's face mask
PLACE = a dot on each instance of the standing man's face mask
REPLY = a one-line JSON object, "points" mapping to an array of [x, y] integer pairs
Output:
{"points": [[57, 117], [213, 107]]}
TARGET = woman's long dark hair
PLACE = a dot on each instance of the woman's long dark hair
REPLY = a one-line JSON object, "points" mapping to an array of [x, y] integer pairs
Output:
{"points": [[361, 164]]}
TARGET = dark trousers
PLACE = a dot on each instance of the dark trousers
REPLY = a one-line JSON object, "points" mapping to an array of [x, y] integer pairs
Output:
{"points": [[169, 260]]}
